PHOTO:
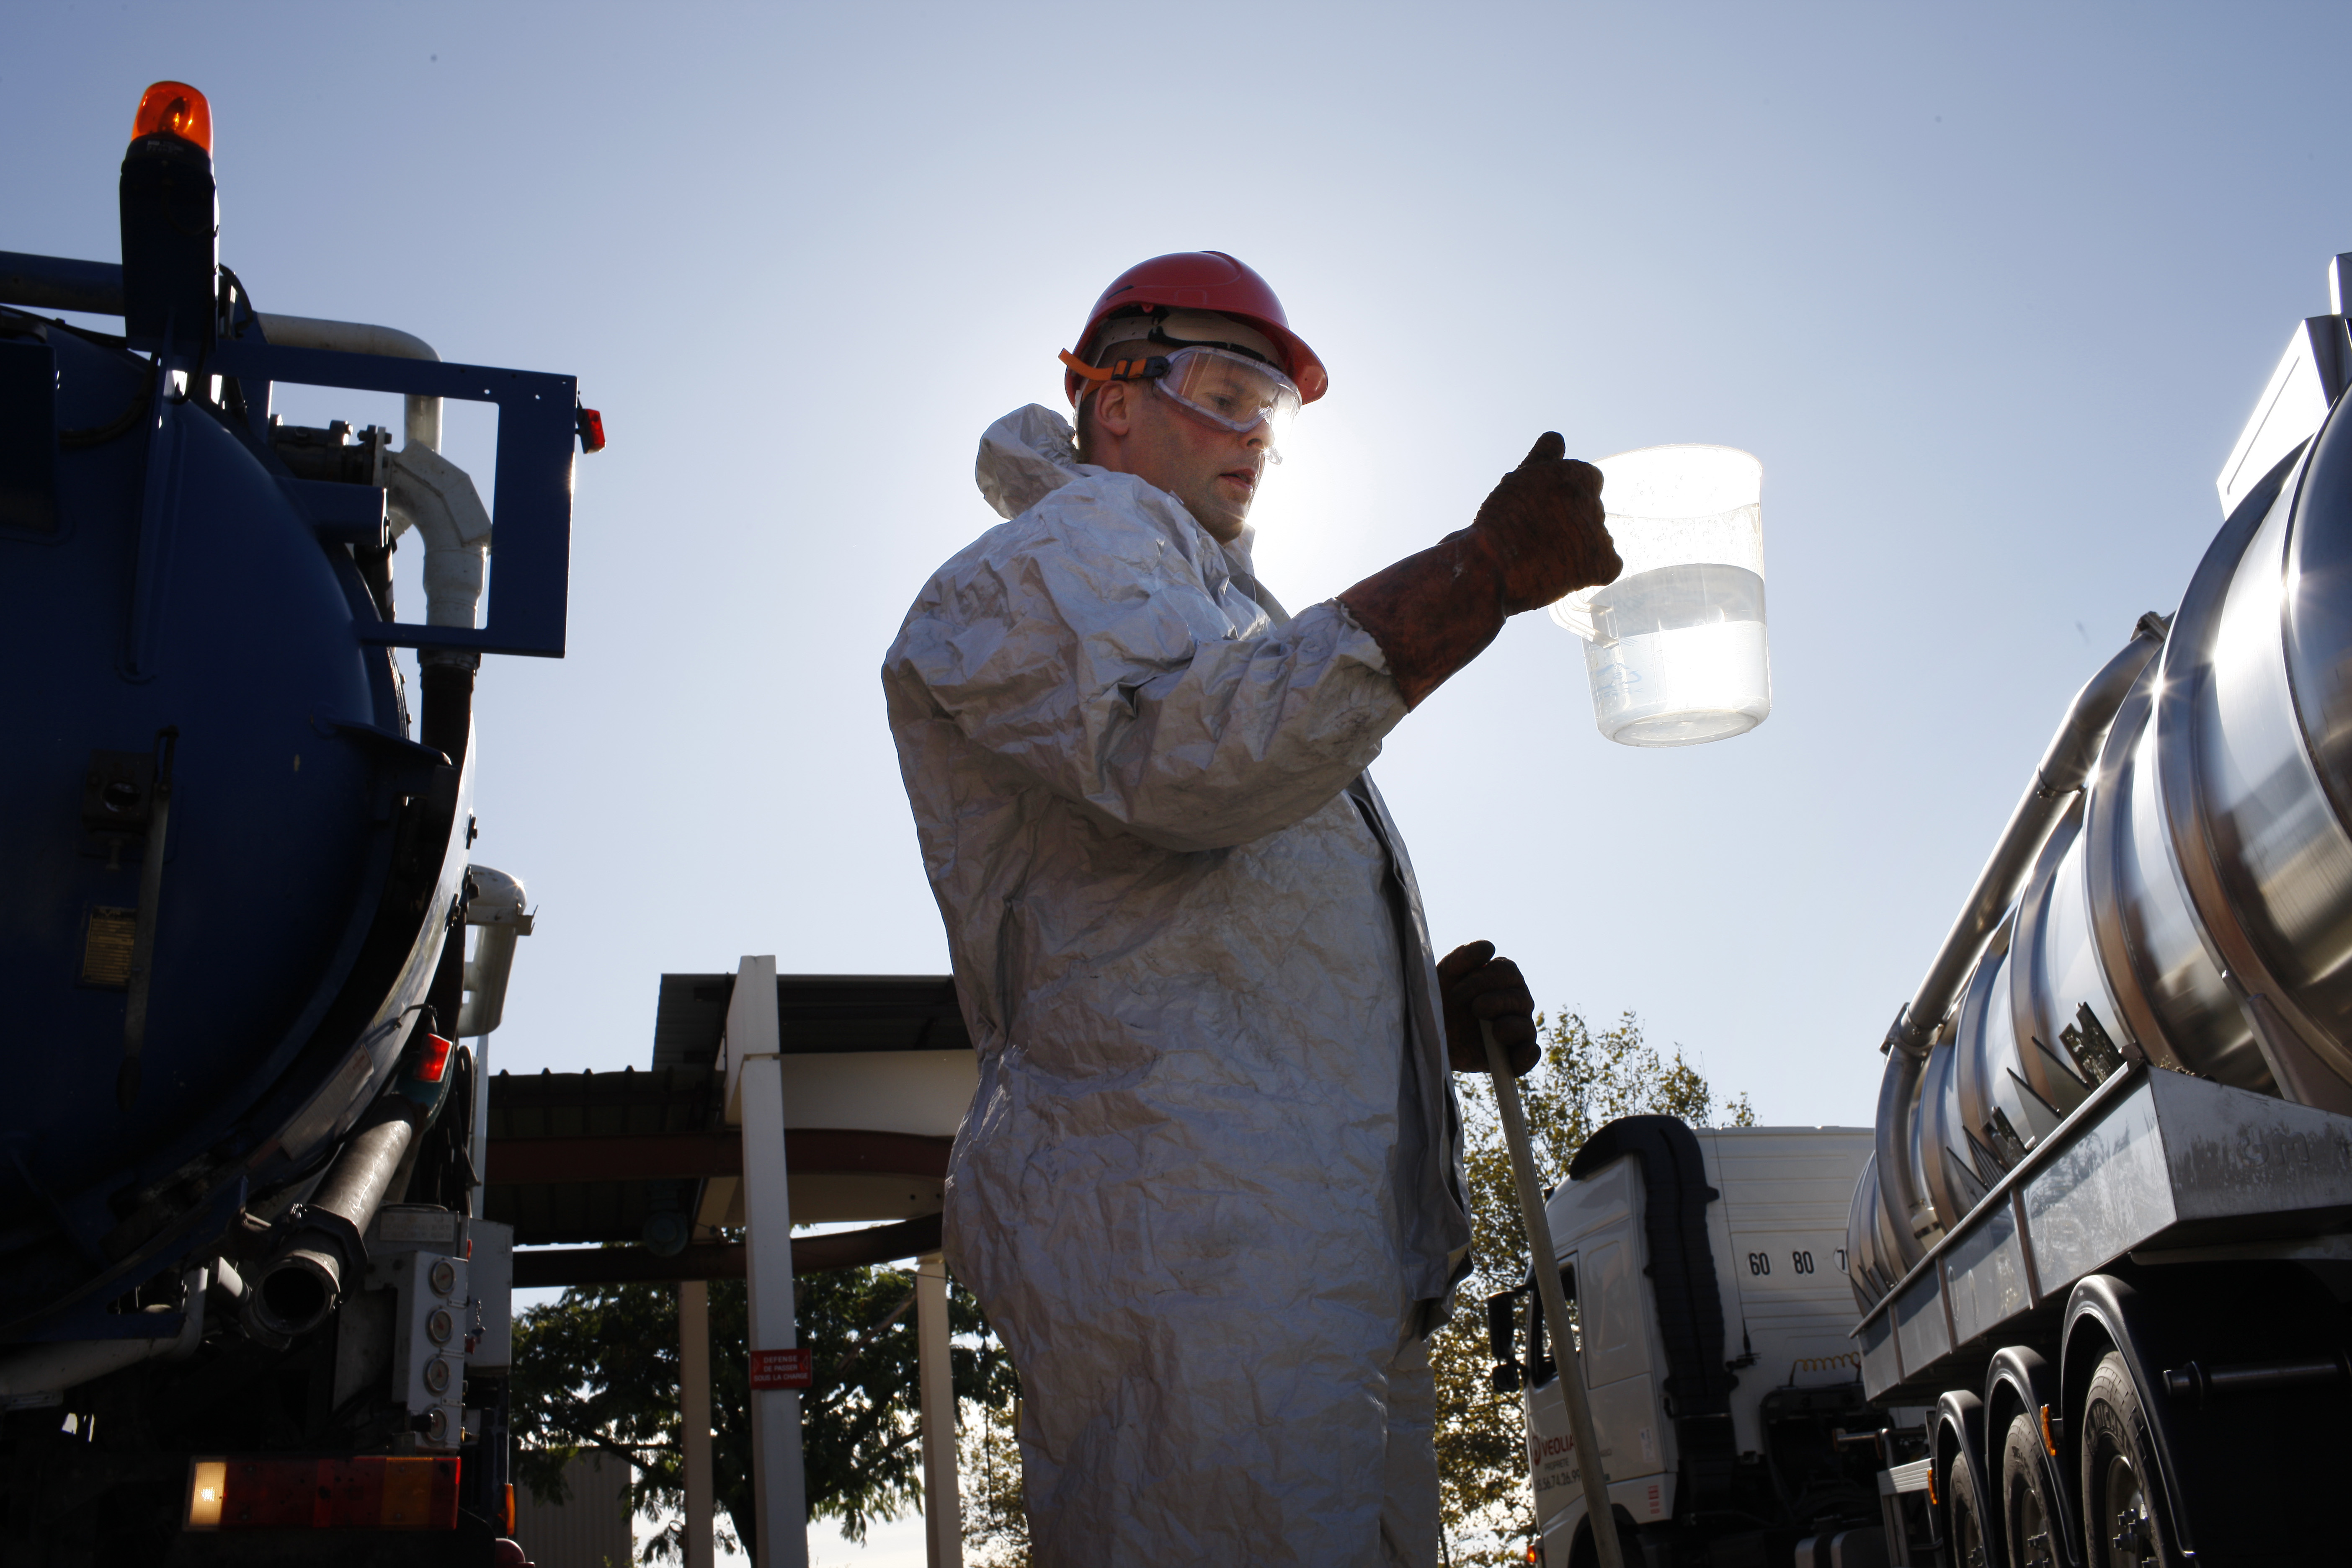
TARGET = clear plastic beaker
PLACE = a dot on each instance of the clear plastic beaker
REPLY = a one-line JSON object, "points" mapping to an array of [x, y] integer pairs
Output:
{"points": [[1675, 646]]}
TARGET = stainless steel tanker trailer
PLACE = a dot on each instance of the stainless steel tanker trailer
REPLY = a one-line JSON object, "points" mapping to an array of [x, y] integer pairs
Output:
{"points": [[2105, 1235], [2102, 1242], [246, 1312]]}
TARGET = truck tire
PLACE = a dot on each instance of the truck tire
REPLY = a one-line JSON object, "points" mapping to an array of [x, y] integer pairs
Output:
{"points": [[2123, 1524], [1586, 1554], [2029, 1514], [1972, 1540]]}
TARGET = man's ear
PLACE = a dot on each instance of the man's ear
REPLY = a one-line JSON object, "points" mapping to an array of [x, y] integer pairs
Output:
{"points": [[1114, 408]]}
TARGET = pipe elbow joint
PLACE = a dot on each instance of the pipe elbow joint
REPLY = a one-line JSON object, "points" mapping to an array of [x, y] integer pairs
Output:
{"points": [[438, 498]]}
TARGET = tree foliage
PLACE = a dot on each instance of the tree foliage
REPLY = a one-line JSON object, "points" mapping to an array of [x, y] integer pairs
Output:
{"points": [[995, 1509], [1587, 1079], [597, 1372]]}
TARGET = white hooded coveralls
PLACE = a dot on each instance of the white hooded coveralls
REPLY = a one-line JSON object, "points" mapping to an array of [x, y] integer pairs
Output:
{"points": [[1209, 1192]]}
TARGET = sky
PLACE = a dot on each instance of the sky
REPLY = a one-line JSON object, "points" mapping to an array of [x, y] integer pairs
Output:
{"points": [[1989, 293], [1988, 290]]}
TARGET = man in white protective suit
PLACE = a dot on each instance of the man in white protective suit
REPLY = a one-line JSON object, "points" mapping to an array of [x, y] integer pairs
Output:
{"points": [[1210, 1190]]}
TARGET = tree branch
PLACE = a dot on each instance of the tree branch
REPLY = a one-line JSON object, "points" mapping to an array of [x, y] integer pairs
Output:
{"points": [[841, 1367]]}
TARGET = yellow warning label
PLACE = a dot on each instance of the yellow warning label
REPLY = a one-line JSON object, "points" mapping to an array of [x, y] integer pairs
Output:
{"points": [[106, 948]]}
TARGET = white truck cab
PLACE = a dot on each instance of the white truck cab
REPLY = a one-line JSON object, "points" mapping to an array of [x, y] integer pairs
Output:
{"points": [[1706, 1268]]}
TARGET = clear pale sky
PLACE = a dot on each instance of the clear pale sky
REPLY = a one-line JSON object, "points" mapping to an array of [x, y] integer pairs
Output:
{"points": [[1988, 290]]}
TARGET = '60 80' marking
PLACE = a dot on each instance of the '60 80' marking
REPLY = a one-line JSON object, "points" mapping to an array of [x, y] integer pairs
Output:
{"points": [[1798, 1260]]}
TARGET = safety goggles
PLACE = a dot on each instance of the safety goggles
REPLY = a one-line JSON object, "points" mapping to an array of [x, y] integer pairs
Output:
{"points": [[1224, 390]]}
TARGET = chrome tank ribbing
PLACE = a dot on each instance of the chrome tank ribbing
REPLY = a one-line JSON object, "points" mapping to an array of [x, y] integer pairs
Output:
{"points": [[2191, 907]]}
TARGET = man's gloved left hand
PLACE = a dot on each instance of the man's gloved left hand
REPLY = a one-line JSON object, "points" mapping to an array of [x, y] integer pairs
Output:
{"points": [[1475, 984]]}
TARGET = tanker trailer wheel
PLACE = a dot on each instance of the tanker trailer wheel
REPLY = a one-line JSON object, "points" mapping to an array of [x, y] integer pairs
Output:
{"points": [[2121, 1523], [1971, 1542], [2030, 1517]]}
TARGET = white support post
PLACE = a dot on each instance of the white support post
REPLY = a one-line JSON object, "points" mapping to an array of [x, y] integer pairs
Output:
{"points": [[942, 1506], [755, 1101], [694, 1413], [479, 1150]]}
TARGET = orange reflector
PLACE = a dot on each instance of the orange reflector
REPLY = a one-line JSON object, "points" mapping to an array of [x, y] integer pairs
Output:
{"points": [[505, 1526], [369, 1492], [1933, 1501], [174, 108], [434, 1061], [2049, 1444], [207, 1480]]}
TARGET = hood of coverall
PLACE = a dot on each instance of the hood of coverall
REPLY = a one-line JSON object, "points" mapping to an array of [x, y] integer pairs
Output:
{"points": [[1032, 452]]}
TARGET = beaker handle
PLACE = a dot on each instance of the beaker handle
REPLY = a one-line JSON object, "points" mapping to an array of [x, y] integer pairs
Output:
{"points": [[1575, 613]]}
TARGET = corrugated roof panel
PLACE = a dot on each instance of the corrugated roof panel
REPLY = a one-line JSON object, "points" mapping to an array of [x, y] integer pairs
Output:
{"points": [[819, 1013], [689, 1017]]}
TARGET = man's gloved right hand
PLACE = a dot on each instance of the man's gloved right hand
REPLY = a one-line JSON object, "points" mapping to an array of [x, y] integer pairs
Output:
{"points": [[1539, 535]]}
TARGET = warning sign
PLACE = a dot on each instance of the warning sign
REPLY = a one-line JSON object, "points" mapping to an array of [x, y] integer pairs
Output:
{"points": [[781, 1369]]}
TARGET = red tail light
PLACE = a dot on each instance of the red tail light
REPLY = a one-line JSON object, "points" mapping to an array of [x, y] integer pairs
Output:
{"points": [[434, 1060], [368, 1492]]}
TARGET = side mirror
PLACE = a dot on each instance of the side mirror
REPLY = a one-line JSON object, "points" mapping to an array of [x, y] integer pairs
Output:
{"points": [[1503, 1325], [1541, 1368]]}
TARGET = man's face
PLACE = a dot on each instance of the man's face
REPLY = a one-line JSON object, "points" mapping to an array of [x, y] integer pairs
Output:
{"points": [[1213, 472]]}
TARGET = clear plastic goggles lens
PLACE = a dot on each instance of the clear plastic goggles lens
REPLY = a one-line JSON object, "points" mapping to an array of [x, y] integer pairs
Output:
{"points": [[1232, 392]]}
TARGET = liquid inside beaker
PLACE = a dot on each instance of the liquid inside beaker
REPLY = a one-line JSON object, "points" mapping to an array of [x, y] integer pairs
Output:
{"points": [[1680, 655], [1675, 648]]}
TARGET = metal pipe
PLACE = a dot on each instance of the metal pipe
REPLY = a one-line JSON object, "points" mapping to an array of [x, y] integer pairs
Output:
{"points": [[294, 1291], [58, 283], [421, 416], [226, 1291], [500, 909], [2067, 762], [435, 497], [2196, 1384]]}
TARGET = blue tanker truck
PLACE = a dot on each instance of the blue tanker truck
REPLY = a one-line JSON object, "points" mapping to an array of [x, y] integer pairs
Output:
{"points": [[246, 1312]]}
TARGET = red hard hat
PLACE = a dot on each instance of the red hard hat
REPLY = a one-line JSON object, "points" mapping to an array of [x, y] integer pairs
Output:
{"points": [[1207, 280]]}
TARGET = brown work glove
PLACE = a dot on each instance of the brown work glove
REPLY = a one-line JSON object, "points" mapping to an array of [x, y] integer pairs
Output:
{"points": [[1475, 984], [1544, 521], [1537, 537]]}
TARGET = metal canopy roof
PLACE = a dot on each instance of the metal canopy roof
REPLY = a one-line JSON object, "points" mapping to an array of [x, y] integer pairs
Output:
{"points": [[615, 1108], [818, 1012], [590, 1157]]}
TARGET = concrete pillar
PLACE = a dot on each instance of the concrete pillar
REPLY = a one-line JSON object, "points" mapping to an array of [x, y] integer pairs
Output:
{"points": [[755, 1103], [942, 1505], [694, 1411]]}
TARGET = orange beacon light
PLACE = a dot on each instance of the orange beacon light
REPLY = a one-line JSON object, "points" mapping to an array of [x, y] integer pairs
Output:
{"points": [[174, 108]]}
